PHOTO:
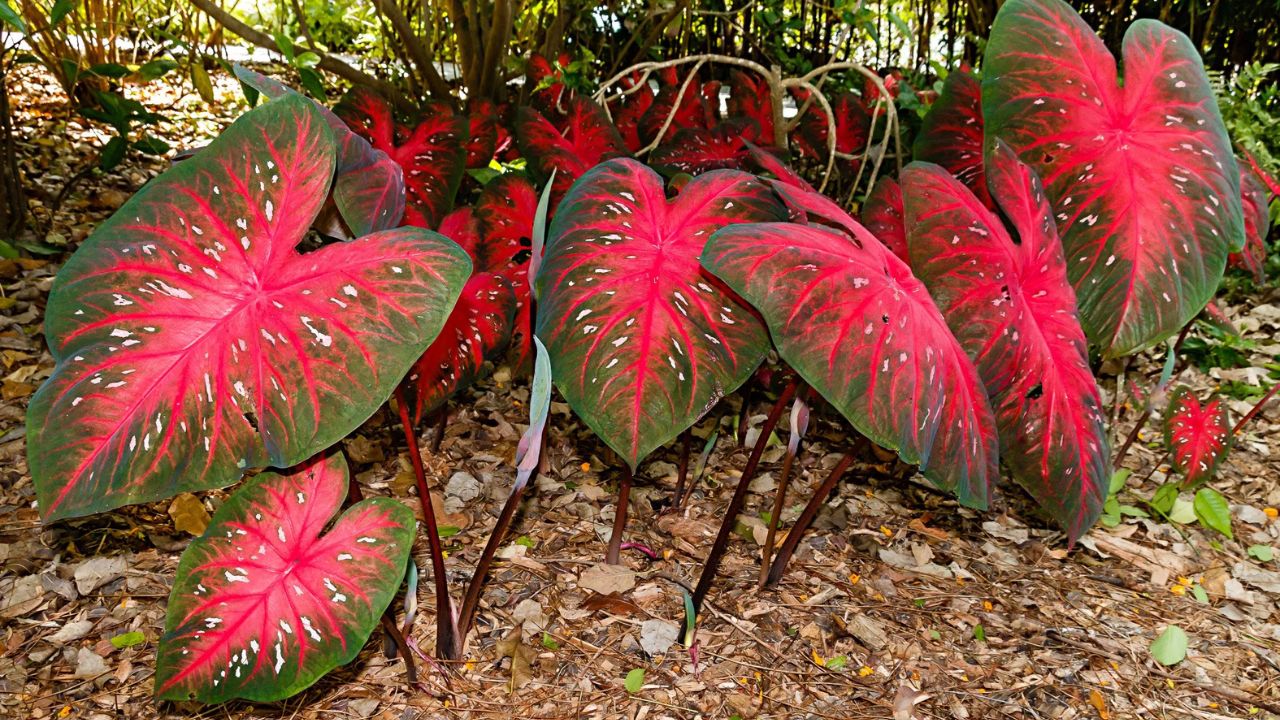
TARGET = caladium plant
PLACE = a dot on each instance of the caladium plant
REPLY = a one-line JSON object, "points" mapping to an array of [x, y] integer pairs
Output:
{"points": [[267, 600], [951, 133], [848, 315], [1198, 435], [642, 341], [1144, 257], [194, 341], [432, 153], [1011, 307]]}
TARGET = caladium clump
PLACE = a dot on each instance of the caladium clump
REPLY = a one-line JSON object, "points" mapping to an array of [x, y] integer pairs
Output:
{"points": [[642, 341], [1011, 307], [1198, 435], [849, 316], [194, 341], [267, 601], [432, 153], [570, 146], [951, 133], [1144, 257]]}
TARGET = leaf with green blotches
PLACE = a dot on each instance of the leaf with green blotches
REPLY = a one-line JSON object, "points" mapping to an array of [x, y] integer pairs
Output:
{"points": [[549, 642], [1171, 647], [836, 663], [1262, 553], [979, 633], [447, 531], [1212, 510], [526, 541], [1199, 594]]}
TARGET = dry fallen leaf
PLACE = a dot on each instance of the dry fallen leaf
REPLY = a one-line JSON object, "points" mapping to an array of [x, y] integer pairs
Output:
{"points": [[188, 514]]}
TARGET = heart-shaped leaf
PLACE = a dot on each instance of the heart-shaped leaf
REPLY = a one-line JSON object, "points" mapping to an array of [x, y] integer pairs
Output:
{"points": [[850, 317], [853, 128], [477, 330], [193, 341], [587, 138], [1009, 304], [264, 603], [642, 341], [951, 133], [1198, 436], [432, 154], [1141, 176], [697, 150]]}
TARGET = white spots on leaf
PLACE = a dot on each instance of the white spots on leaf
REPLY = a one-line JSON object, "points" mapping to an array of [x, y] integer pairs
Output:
{"points": [[320, 337], [235, 578], [349, 290], [269, 210], [280, 533], [302, 498], [344, 556]]}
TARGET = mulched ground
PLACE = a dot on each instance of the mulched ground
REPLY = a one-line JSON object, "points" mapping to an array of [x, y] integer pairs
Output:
{"points": [[901, 605]]}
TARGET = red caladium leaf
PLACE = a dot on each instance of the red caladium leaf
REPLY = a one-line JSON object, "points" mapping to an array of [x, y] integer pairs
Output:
{"points": [[432, 154], [482, 132], [883, 216], [478, 330], [1198, 436], [1012, 309], [1144, 257], [1255, 199], [642, 341], [193, 341], [264, 603], [951, 133], [697, 150], [749, 97], [544, 77], [588, 138], [849, 316], [368, 190], [505, 210], [853, 127], [694, 111]]}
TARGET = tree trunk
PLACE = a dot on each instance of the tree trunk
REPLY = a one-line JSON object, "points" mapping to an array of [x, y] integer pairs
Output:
{"points": [[13, 203]]}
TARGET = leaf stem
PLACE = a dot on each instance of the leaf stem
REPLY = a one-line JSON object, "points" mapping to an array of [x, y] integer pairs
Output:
{"points": [[448, 642], [619, 518], [806, 518], [739, 497]]}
